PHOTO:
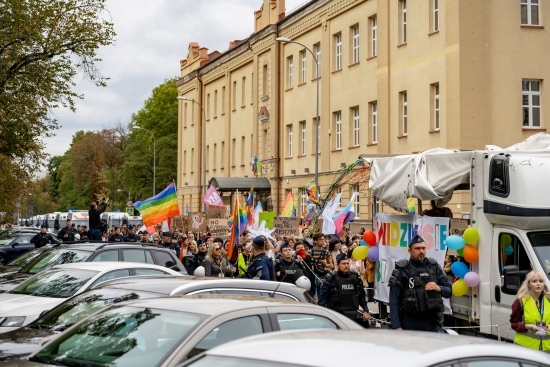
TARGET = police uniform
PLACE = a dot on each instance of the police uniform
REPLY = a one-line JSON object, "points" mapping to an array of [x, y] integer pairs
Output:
{"points": [[343, 292], [70, 232], [42, 239], [261, 266], [412, 307]]}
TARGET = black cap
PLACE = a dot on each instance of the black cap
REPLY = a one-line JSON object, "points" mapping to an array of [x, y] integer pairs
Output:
{"points": [[258, 242], [43, 226], [284, 245], [167, 234], [416, 239], [341, 257]]}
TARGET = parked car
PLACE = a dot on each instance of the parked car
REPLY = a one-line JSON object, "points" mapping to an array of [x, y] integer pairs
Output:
{"points": [[49, 288], [13, 244], [211, 285], [167, 331], [64, 254], [21, 342], [378, 348], [22, 260]]}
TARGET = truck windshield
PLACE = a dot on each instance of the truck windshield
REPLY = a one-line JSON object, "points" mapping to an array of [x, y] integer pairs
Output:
{"points": [[541, 244]]}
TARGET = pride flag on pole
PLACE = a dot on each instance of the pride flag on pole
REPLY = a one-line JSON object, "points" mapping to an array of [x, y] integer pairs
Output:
{"points": [[234, 236], [160, 207], [250, 207], [288, 206]]}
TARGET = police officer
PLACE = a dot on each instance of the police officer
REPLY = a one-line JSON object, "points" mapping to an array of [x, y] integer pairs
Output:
{"points": [[287, 269], [131, 236], [67, 233], [417, 288], [43, 238], [117, 236], [261, 266], [343, 290]]}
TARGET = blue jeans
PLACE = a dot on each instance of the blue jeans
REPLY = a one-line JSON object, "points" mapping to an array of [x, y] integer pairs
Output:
{"points": [[95, 234]]}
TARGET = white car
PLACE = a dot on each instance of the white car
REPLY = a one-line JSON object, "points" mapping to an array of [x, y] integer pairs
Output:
{"points": [[49, 288], [372, 347]]}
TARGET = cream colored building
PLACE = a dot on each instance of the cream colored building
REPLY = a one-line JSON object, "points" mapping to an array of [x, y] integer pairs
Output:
{"points": [[395, 77]]}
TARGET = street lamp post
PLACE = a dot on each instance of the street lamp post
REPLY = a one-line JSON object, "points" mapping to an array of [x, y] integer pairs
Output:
{"points": [[154, 158], [204, 144], [288, 40]]}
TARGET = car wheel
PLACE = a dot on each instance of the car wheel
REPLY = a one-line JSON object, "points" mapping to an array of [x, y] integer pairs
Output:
{"points": [[2, 259]]}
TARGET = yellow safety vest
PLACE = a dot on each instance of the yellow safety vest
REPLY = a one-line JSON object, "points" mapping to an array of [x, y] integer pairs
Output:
{"points": [[532, 315]]}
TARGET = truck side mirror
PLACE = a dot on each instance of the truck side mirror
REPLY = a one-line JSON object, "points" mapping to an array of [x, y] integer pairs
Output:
{"points": [[513, 278]]}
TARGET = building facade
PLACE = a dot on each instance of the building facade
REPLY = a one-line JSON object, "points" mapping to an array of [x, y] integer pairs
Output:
{"points": [[395, 77]]}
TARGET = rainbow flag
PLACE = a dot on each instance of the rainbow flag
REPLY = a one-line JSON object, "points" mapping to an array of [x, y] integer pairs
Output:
{"points": [[250, 207], [234, 236], [288, 206], [160, 207]]}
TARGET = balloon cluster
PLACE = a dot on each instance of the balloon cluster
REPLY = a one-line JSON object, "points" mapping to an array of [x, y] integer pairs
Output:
{"points": [[506, 244], [465, 246], [367, 248]]}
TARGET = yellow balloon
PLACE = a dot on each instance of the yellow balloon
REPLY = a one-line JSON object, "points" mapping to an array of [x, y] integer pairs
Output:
{"points": [[460, 288], [360, 252], [471, 235], [505, 240]]}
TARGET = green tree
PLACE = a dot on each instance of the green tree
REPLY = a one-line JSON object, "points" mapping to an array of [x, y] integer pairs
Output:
{"points": [[44, 45], [159, 115]]}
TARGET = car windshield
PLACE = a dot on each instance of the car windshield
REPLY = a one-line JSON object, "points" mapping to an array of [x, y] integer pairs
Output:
{"points": [[58, 283], [541, 245], [55, 257], [79, 307], [4, 240], [121, 336], [26, 257]]}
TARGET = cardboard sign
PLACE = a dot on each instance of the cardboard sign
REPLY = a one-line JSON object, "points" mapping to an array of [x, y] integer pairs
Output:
{"points": [[286, 226], [458, 226], [179, 222], [197, 222], [216, 212], [218, 228]]}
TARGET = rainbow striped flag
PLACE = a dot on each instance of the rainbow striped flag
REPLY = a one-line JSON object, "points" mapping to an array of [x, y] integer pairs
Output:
{"points": [[235, 232], [288, 206], [160, 207]]}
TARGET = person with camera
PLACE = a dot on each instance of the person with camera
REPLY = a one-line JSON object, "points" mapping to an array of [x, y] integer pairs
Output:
{"points": [[96, 226]]}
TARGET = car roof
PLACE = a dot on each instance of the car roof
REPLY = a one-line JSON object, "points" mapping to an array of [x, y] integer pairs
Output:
{"points": [[379, 346], [180, 283], [208, 304], [109, 265]]}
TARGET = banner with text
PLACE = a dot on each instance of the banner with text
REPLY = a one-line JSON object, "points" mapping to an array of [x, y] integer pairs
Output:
{"points": [[394, 233], [286, 226], [218, 228], [216, 212]]}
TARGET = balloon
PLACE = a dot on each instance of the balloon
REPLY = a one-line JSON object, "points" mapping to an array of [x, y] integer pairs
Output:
{"points": [[470, 254], [303, 282], [360, 252], [509, 250], [199, 271], [460, 288], [370, 238], [505, 240], [455, 242], [471, 279], [373, 253], [460, 252], [471, 235], [362, 243], [459, 269]]}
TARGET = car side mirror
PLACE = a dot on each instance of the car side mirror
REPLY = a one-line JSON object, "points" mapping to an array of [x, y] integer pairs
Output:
{"points": [[513, 278], [170, 264], [15, 244]]}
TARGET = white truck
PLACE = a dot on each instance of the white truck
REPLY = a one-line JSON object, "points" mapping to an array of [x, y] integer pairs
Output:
{"points": [[507, 192], [116, 219]]}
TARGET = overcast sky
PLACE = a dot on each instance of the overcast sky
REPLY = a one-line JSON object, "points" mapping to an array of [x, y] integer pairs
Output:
{"points": [[152, 38]]}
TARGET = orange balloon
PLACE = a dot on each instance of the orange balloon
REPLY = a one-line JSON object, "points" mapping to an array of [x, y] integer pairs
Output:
{"points": [[470, 253], [370, 238]]}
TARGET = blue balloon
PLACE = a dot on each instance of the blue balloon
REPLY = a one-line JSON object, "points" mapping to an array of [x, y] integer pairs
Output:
{"points": [[459, 269], [509, 250], [362, 243], [455, 242]]}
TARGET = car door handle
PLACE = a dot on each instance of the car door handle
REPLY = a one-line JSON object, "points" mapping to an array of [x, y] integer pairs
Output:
{"points": [[497, 293]]}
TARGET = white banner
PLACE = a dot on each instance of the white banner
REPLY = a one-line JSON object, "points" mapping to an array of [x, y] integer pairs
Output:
{"points": [[394, 233]]}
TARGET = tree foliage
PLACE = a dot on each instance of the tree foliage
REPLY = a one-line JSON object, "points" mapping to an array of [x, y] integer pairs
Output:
{"points": [[44, 45]]}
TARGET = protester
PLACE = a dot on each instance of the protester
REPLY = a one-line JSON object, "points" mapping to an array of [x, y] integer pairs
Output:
{"points": [[144, 236], [156, 239], [94, 214], [322, 262], [167, 243], [117, 236], [288, 269], [334, 246], [216, 265], [243, 259], [201, 253]]}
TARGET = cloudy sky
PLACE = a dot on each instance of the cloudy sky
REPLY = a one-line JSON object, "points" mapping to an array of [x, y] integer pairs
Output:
{"points": [[152, 37]]}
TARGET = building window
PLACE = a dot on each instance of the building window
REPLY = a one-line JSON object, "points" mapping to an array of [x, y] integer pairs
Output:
{"points": [[338, 51], [303, 205], [207, 160], [357, 202], [338, 130], [317, 69], [234, 99], [531, 102], [223, 100], [403, 20], [185, 114], [215, 103], [264, 80], [355, 126], [435, 15], [192, 159], [233, 148], [303, 133], [289, 139], [185, 162], [290, 69], [373, 35], [355, 44], [435, 102], [404, 112], [243, 145], [222, 155], [530, 12], [303, 66], [243, 92], [214, 157], [374, 122]]}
